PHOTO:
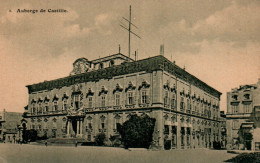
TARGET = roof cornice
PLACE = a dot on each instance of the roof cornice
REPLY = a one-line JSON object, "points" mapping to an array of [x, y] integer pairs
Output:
{"points": [[149, 65]]}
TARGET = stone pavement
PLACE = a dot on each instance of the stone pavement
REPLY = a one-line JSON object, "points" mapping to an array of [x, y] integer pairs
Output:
{"points": [[10, 153]]}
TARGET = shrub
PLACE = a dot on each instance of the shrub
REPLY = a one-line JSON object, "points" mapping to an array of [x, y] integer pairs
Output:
{"points": [[115, 140], [246, 157], [167, 145], [100, 139], [137, 132]]}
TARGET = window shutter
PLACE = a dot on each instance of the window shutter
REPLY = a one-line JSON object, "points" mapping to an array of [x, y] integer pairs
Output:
{"points": [[148, 99]]}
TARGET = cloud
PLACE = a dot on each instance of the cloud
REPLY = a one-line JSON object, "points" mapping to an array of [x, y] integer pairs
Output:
{"points": [[222, 66], [236, 23]]}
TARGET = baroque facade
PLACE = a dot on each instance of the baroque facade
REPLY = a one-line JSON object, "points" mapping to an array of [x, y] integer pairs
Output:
{"points": [[100, 94], [243, 112]]}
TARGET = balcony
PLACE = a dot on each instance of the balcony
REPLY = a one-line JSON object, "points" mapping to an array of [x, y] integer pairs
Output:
{"points": [[144, 105], [130, 106], [117, 107], [100, 108], [47, 113], [89, 109]]}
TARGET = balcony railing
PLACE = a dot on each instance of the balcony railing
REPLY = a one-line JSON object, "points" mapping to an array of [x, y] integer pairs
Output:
{"points": [[48, 113]]}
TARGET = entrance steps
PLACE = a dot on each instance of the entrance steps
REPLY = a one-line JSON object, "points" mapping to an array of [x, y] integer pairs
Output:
{"points": [[66, 140]]}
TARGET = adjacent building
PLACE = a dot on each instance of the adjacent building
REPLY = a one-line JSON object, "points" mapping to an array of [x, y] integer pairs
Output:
{"points": [[9, 126], [100, 94], [243, 113], [223, 126]]}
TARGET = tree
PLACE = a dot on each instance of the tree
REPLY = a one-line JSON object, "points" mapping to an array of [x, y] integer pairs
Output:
{"points": [[100, 139], [30, 135], [137, 132]]}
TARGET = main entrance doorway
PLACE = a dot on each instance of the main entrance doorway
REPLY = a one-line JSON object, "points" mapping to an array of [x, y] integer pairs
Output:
{"points": [[75, 126]]}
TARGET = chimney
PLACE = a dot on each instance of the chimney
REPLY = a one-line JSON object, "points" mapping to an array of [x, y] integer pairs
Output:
{"points": [[162, 50]]}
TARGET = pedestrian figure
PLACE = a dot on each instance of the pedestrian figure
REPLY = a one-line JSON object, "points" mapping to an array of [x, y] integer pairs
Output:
{"points": [[76, 144], [46, 143]]}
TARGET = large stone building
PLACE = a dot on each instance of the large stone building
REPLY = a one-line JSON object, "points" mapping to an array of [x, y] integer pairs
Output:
{"points": [[243, 112], [9, 126], [100, 94]]}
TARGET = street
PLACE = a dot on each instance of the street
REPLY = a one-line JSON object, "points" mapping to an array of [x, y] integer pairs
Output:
{"points": [[10, 153]]}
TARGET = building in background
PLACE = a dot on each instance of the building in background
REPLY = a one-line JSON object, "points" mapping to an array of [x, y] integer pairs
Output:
{"points": [[223, 129], [9, 126], [100, 94], [243, 114]]}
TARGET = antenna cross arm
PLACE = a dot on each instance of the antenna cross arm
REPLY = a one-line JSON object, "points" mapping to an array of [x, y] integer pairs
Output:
{"points": [[130, 22], [130, 31]]}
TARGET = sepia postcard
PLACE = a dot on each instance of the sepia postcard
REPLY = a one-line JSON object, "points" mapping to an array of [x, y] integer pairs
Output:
{"points": [[129, 81]]}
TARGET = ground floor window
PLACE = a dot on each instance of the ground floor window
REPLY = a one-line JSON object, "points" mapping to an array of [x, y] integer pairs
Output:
{"points": [[182, 135], [188, 136], [89, 137], [166, 129]]}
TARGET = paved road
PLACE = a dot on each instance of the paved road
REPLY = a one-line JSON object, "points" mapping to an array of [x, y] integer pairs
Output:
{"points": [[10, 153]]}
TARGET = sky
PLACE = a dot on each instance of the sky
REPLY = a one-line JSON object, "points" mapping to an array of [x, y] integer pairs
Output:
{"points": [[217, 41]]}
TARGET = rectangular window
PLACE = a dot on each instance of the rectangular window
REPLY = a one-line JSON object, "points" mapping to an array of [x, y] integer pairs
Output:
{"points": [[246, 108], [65, 104], [117, 100], [182, 104], [89, 137], [144, 97], [166, 96], [188, 136], [117, 126], [166, 129], [33, 108], [234, 108], [188, 104], [130, 98], [90, 102], [182, 135], [90, 125], [174, 130], [103, 101], [46, 106], [173, 102], [55, 103], [77, 101], [40, 108]]}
